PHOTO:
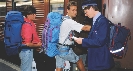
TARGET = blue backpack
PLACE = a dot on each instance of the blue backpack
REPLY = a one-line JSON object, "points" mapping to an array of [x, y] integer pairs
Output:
{"points": [[119, 36], [50, 34], [12, 32], [118, 39]]}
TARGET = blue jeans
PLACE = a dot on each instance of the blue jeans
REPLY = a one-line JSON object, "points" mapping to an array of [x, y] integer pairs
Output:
{"points": [[26, 57], [83, 57], [71, 56]]}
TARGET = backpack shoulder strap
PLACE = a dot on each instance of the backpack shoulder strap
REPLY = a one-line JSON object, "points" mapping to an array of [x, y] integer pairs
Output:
{"points": [[99, 18], [25, 22], [67, 37], [65, 17], [23, 45]]}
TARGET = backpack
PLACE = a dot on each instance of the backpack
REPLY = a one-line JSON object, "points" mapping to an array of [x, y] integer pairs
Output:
{"points": [[12, 32], [119, 36], [118, 39], [50, 35]]}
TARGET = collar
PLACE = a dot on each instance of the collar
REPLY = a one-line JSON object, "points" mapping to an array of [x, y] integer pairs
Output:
{"points": [[69, 16], [28, 20], [97, 15]]}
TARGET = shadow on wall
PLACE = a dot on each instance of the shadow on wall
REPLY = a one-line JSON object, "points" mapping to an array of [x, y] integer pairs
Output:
{"points": [[13, 59]]}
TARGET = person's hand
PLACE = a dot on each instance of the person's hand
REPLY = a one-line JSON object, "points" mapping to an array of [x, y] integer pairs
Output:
{"points": [[38, 49], [39, 44], [29, 44], [87, 27], [78, 40]]}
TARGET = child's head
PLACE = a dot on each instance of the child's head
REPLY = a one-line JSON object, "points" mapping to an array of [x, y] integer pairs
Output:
{"points": [[72, 9], [29, 12]]}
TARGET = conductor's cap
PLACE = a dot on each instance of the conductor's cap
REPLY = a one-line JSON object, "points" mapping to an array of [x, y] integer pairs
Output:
{"points": [[88, 3]]}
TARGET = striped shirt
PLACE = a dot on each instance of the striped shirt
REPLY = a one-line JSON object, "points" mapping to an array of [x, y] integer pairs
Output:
{"points": [[95, 17]]}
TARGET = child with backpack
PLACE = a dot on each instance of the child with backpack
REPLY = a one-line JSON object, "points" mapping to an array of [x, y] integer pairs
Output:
{"points": [[29, 38], [65, 42], [57, 37]]}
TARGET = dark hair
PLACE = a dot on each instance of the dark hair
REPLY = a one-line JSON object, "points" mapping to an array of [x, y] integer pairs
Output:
{"points": [[71, 3], [94, 7], [29, 9]]}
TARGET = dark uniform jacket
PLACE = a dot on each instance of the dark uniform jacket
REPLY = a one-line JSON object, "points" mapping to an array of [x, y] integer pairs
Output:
{"points": [[99, 56]]}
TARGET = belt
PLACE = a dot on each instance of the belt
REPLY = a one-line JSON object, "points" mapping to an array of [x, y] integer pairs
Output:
{"points": [[64, 44], [25, 48]]}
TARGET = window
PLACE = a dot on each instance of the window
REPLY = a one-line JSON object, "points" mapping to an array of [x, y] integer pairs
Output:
{"points": [[2, 0], [2, 8], [57, 6]]}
